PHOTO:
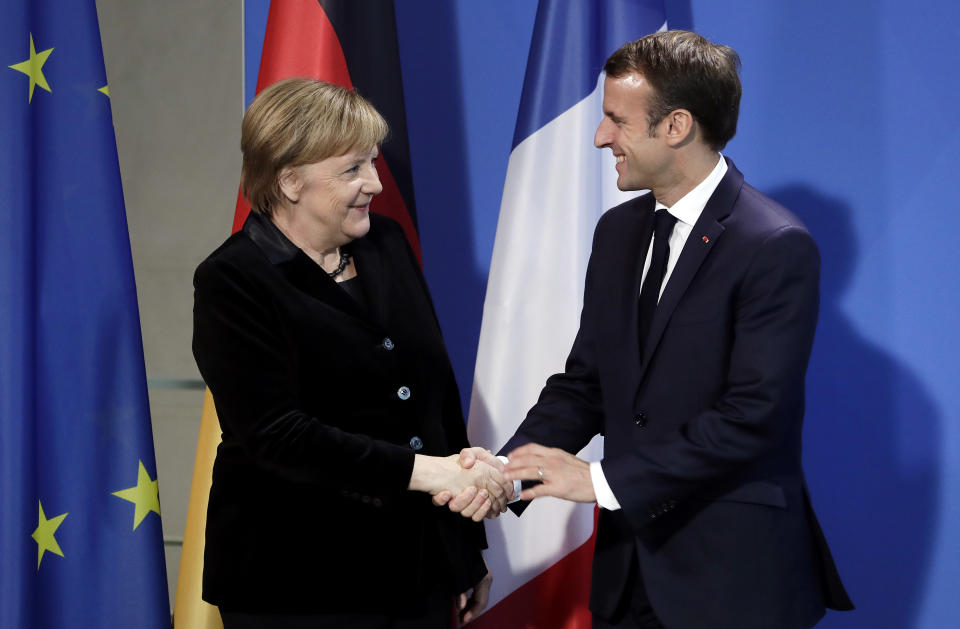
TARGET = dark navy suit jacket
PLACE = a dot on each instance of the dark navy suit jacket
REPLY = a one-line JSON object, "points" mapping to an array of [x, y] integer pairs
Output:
{"points": [[703, 430]]}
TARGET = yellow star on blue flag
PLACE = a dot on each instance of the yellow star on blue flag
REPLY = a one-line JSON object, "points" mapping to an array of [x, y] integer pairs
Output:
{"points": [[44, 534], [33, 68], [145, 495]]}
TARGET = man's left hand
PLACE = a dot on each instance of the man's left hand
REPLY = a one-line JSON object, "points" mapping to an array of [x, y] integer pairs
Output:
{"points": [[562, 475]]}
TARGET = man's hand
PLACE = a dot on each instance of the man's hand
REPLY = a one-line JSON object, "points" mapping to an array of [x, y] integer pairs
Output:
{"points": [[470, 606], [470, 502], [562, 475]]}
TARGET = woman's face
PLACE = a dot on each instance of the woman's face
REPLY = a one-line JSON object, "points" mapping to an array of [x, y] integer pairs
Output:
{"points": [[333, 195]]}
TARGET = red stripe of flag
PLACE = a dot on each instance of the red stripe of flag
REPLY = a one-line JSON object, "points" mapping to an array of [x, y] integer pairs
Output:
{"points": [[556, 598], [301, 41]]}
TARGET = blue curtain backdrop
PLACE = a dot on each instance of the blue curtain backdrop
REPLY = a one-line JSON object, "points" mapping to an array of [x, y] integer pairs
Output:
{"points": [[848, 119], [80, 539]]}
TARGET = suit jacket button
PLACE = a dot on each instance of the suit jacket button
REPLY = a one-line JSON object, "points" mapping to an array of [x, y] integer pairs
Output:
{"points": [[640, 419], [387, 344], [377, 502], [403, 393], [416, 443]]}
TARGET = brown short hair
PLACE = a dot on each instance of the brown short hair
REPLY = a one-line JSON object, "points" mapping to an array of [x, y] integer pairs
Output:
{"points": [[686, 71], [300, 121]]}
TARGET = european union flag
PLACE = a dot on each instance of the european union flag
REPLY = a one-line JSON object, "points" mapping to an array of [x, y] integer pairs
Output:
{"points": [[80, 539]]}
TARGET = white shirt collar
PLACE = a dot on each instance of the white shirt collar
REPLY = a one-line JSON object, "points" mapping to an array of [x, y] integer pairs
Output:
{"points": [[690, 206]]}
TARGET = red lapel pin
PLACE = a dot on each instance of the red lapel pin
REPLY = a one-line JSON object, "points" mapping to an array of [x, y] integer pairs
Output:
{"points": [[705, 239]]}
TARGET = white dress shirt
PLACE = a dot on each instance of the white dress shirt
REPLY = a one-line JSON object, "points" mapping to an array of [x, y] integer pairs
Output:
{"points": [[687, 210]]}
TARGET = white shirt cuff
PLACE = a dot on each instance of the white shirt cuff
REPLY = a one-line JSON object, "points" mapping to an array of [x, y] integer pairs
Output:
{"points": [[601, 488], [516, 484]]}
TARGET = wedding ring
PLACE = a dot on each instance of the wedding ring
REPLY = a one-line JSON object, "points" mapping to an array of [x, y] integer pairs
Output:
{"points": [[540, 473]]}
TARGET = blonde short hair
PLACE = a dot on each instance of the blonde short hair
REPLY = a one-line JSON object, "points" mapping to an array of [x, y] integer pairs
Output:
{"points": [[301, 121]]}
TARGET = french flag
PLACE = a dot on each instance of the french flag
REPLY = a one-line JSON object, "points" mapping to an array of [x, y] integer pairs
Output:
{"points": [[557, 186]]}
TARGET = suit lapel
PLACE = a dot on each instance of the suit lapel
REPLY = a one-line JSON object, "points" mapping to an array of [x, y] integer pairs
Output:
{"points": [[297, 267], [308, 277], [704, 236], [372, 273]]}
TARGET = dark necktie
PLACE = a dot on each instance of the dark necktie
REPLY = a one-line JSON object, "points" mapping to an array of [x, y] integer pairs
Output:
{"points": [[663, 223]]}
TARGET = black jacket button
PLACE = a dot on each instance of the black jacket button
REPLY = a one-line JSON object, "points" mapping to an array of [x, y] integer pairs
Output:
{"points": [[640, 419], [416, 443], [388, 343]]}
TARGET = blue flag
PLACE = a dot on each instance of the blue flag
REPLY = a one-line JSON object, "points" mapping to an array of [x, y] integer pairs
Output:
{"points": [[80, 538]]}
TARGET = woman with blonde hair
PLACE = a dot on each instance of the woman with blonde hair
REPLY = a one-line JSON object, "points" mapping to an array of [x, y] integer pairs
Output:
{"points": [[340, 414]]}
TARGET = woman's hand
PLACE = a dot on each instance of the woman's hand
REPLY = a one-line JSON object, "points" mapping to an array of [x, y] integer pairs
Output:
{"points": [[469, 605], [469, 502], [483, 482]]}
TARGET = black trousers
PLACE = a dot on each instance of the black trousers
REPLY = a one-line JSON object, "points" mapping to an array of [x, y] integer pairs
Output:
{"points": [[634, 611], [438, 615]]}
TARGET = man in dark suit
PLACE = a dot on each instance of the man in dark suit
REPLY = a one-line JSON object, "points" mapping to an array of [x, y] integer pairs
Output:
{"points": [[699, 313]]}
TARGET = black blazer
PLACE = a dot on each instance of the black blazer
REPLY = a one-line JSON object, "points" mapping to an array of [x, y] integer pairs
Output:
{"points": [[702, 431], [323, 405]]}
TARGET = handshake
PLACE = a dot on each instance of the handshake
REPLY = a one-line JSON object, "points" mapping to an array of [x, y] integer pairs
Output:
{"points": [[471, 483], [476, 484]]}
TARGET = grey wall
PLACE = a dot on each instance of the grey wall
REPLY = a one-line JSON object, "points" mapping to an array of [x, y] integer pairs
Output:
{"points": [[175, 74]]}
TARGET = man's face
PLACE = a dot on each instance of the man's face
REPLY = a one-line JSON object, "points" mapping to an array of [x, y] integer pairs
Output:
{"points": [[642, 158]]}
